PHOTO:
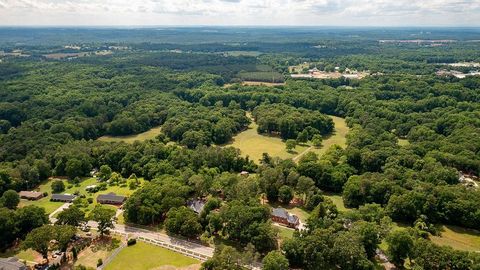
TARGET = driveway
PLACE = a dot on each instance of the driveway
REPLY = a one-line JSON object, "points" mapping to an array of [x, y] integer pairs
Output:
{"points": [[58, 210]]}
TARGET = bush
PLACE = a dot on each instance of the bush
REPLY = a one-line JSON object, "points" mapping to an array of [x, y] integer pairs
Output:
{"points": [[131, 242], [58, 186], [99, 262], [90, 200], [45, 194]]}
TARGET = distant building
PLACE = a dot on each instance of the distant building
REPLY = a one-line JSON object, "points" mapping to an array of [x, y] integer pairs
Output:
{"points": [[30, 195], [244, 173], [93, 173], [63, 198], [196, 205], [281, 215], [111, 198], [11, 263]]}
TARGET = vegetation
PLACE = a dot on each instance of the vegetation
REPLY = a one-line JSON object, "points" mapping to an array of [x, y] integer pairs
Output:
{"points": [[411, 134], [147, 256]]}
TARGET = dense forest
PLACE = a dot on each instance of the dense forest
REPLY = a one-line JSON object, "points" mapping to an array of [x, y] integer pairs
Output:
{"points": [[53, 111]]}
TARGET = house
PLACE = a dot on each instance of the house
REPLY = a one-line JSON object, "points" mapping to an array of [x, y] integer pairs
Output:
{"points": [[93, 173], [244, 173], [111, 198], [30, 195], [68, 198], [196, 205], [11, 263], [281, 216]]}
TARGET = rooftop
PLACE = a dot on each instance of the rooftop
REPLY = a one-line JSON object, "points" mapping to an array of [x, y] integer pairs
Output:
{"points": [[112, 197], [11, 263]]}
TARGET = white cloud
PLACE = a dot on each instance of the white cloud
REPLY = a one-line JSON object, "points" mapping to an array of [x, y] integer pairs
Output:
{"points": [[240, 12]]}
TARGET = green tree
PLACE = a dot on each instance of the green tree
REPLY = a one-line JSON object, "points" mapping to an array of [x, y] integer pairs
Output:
{"points": [[58, 186], [39, 240], [104, 217], [302, 137], [224, 258], [400, 245], [285, 194], [105, 172], [290, 144], [8, 230], [275, 260], [317, 140], [10, 199], [183, 221], [73, 216], [63, 235], [30, 217]]}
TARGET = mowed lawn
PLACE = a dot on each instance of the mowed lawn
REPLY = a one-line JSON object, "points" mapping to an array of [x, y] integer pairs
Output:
{"points": [[254, 145], [142, 256], [337, 200], [147, 135], [338, 137], [458, 238]]}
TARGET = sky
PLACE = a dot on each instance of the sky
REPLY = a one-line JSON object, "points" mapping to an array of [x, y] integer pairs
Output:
{"points": [[240, 12]]}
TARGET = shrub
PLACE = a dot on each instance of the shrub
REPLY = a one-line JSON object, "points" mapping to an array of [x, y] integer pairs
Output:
{"points": [[90, 200], [131, 242], [99, 262]]}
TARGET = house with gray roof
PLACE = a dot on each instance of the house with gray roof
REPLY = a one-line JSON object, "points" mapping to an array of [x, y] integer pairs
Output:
{"points": [[196, 205], [11, 263], [68, 198], [281, 216], [111, 198]]}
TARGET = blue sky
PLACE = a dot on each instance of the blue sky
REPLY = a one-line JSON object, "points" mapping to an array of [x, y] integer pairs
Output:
{"points": [[242, 12]]}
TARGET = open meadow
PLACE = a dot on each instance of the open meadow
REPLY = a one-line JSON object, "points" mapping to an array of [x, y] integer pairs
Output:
{"points": [[458, 238], [142, 256], [147, 135], [253, 144]]}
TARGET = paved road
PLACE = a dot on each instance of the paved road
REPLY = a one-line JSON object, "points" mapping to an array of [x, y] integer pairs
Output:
{"points": [[59, 209], [162, 237]]}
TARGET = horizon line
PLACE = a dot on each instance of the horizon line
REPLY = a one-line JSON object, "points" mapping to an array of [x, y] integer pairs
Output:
{"points": [[237, 26]]}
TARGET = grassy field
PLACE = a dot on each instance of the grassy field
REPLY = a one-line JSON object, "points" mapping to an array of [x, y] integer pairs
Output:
{"points": [[28, 255], [403, 142], [101, 250], [338, 137], [458, 238], [142, 256], [337, 200], [147, 135], [254, 145], [284, 233]]}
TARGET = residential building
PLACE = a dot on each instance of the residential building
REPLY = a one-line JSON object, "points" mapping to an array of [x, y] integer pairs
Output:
{"points": [[111, 198], [62, 198], [11, 263], [30, 195], [196, 205], [281, 216]]}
